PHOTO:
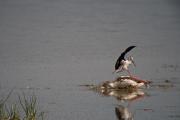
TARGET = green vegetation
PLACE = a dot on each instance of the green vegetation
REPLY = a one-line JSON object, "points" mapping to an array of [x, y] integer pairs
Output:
{"points": [[27, 106]]}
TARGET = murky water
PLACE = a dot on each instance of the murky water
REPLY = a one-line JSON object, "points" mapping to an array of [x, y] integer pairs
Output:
{"points": [[50, 47]]}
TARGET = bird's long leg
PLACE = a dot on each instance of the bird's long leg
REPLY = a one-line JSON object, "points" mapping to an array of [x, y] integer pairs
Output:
{"points": [[129, 73], [117, 71]]}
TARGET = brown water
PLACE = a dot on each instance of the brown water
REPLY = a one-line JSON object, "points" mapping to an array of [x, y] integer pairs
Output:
{"points": [[49, 47]]}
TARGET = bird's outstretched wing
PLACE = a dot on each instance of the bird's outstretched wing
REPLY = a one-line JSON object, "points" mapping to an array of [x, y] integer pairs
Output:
{"points": [[128, 49], [121, 57]]}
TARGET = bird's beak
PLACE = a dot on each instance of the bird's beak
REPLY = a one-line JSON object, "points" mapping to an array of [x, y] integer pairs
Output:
{"points": [[134, 63]]}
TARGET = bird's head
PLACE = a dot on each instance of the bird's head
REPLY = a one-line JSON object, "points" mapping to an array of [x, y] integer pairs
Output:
{"points": [[132, 60]]}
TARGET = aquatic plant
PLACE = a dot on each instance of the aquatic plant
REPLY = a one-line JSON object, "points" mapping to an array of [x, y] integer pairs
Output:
{"points": [[12, 113], [28, 105], [3, 109]]}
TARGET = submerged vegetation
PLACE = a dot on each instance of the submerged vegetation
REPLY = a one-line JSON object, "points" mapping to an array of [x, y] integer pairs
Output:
{"points": [[26, 109]]}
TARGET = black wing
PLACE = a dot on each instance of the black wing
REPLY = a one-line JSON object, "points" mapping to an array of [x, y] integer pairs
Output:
{"points": [[128, 49], [121, 57]]}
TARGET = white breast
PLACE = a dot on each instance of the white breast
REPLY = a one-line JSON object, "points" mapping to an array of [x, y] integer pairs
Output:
{"points": [[126, 64]]}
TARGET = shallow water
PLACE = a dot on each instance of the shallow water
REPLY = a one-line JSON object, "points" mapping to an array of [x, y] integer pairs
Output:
{"points": [[52, 47]]}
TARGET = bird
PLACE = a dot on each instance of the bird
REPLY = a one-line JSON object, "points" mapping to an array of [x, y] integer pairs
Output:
{"points": [[122, 64]]}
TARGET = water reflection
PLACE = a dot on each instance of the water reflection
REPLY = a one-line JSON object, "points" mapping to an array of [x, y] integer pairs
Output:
{"points": [[123, 95], [126, 96], [123, 113], [119, 94]]}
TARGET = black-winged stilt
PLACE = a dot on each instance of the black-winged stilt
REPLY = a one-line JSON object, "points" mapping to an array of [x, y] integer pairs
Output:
{"points": [[122, 64]]}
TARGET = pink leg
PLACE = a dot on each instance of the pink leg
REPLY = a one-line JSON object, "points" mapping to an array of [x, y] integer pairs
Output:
{"points": [[129, 73], [117, 71]]}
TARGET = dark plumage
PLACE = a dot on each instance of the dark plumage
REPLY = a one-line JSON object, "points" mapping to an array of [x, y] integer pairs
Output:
{"points": [[122, 113], [121, 57]]}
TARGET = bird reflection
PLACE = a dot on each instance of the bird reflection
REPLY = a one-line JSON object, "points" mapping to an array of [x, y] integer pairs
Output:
{"points": [[122, 113], [122, 95]]}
